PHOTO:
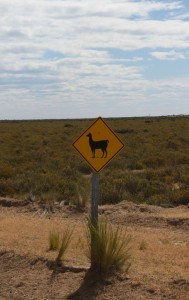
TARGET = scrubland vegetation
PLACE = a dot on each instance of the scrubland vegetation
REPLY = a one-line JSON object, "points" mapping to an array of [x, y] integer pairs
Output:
{"points": [[37, 160]]}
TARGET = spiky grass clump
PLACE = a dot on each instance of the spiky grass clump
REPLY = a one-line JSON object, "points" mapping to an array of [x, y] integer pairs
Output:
{"points": [[64, 244], [54, 240], [108, 246]]}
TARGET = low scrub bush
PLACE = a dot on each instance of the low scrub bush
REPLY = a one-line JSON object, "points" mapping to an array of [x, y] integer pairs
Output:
{"points": [[6, 188], [84, 168], [180, 197], [154, 161], [110, 194], [6, 171], [83, 188], [131, 184], [172, 145], [159, 200]]}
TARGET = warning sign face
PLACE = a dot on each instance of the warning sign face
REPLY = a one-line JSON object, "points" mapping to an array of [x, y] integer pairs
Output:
{"points": [[98, 144]]}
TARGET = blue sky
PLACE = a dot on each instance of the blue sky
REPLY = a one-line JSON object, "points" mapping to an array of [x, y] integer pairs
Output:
{"points": [[84, 58]]}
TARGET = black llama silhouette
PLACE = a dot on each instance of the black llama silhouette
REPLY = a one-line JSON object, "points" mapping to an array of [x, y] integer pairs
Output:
{"points": [[103, 144]]}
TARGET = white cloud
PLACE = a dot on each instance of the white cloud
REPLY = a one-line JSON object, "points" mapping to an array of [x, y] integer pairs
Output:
{"points": [[57, 54], [169, 55]]}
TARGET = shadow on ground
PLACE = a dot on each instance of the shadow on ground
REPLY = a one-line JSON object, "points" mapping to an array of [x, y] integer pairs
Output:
{"points": [[92, 285], [59, 267]]}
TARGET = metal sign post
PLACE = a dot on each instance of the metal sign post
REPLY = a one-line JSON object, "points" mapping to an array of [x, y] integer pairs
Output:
{"points": [[94, 214], [95, 196]]}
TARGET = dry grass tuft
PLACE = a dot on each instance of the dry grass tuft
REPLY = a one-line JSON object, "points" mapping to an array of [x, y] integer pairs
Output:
{"points": [[54, 240], [109, 248], [65, 241]]}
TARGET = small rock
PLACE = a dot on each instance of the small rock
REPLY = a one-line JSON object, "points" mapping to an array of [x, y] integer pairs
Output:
{"points": [[20, 284], [151, 291]]}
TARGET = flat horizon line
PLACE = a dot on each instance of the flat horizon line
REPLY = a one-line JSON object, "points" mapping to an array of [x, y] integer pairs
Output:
{"points": [[93, 118]]}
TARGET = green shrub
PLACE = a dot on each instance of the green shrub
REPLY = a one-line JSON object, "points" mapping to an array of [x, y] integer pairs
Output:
{"points": [[110, 195], [159, 200], [6, 171], [84, 168], [108, 247], [6, 188], [154, 161], [180, 197], [172, 145], [131, 184]]}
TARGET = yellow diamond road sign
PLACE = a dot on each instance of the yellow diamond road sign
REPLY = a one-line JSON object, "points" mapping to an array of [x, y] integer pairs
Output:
{"points": [[98, 144]]}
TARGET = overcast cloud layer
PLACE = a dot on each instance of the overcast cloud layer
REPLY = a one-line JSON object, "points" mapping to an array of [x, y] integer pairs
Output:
{"points": [[84, 58]]}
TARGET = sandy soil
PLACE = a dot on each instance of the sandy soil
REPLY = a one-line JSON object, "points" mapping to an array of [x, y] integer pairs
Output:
{"points": [[159, 270]]}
